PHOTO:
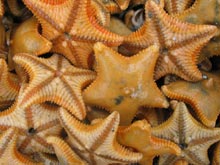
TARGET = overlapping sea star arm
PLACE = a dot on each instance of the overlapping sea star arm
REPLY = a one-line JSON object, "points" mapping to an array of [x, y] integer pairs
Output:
{"points": [[9, 85], [97, 142], [64, 152]]}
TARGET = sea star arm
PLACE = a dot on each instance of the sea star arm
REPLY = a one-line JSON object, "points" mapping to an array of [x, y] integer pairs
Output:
{"points": [[8, 149], [64, 153]]}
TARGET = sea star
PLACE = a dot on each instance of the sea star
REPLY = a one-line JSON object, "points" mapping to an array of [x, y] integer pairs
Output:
{"points": [[203, 96], [64, 153], [195, 14], [124, 84], [54, 79], [34, 124], [8, 149], [138, 136], [97, 142], [193, 138], [180, 42], [62, 25]]}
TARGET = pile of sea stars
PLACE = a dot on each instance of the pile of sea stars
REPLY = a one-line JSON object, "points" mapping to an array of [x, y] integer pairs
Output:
{"points": [[99, 82]]}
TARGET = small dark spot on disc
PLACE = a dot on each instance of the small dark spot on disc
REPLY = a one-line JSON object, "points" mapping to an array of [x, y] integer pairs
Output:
{"points": [[164, 51], [31, 131], [67, 35], [118, 100], [183, 145]]}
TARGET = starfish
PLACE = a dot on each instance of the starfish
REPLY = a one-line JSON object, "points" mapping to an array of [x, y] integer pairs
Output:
{"points": [[63, 23], [138, 136], [180, 42], [216, 157], [127, 85], [9, 86], [195, 14], [54, 79], [63, 151], [177, 6], [8, 149], [96, 143], [33, 124], [193, 138], [203, 96]]}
